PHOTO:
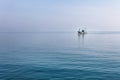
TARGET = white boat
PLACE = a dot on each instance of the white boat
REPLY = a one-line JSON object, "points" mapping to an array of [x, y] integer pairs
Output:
{"points": [[82, 32]]}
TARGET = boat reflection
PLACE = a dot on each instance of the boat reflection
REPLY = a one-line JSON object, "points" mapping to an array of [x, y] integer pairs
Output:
{"points": [[81, 38]]}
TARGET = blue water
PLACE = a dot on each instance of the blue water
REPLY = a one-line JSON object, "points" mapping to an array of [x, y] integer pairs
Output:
{"points": [[60, 56]]}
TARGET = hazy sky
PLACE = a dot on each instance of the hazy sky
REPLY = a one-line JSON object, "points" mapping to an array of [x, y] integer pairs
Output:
{"points": [[59, 15]]}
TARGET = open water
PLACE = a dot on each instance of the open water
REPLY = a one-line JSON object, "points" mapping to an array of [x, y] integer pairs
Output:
{"points": [[60, 56]]}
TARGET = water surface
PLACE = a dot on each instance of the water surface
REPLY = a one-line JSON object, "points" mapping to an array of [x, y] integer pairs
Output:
{"points": [[60, 56]]}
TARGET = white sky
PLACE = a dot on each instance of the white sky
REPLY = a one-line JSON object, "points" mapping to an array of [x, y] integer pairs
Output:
{"points": [[59, 15]]}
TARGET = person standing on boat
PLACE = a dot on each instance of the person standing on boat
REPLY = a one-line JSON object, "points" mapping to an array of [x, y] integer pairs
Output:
{"points": [[83, 31]]}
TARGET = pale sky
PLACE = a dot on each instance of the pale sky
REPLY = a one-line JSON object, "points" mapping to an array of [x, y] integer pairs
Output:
{"points": [[59, 15]]}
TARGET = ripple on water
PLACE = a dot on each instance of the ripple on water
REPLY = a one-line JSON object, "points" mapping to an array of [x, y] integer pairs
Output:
{"points": [[30, 72]]}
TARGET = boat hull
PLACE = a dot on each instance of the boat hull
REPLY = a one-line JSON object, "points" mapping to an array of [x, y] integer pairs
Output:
{"points": [[82, 32]]}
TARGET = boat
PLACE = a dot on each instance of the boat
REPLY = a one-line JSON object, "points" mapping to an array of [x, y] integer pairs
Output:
{"points": [[82, 32]]}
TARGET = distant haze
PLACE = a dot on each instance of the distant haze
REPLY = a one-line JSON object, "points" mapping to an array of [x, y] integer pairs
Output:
{"points": [[59, 15]]}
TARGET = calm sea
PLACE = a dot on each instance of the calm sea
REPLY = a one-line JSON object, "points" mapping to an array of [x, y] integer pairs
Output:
{"points": [[60, 56]]}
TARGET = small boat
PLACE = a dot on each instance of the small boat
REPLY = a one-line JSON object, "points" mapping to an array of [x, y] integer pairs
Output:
{"points": [[82, 32]]}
